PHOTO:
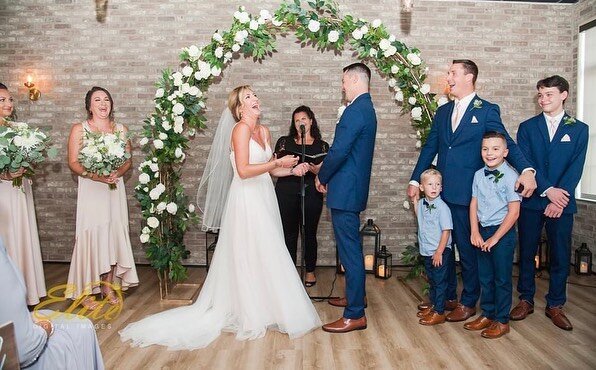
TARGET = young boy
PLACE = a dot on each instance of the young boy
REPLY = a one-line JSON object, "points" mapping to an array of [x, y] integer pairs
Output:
{"points": [[556, 144], [493, 211], [434, 238]]}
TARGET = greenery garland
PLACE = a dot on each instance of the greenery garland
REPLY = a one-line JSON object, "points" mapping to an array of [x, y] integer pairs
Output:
{"points": [[180, 104]]}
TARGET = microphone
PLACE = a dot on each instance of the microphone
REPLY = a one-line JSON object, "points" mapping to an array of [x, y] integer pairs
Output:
{"points": [[302, 130]]}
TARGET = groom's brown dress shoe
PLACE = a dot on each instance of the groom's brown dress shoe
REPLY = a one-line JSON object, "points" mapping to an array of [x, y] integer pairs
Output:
{"points": [[450, 305], [344, 325], [424, 305], [432, 318], [558, 317], [425, 312], [481, 322], [522, 310], [461, 313], [495, 330], [343, 302]]}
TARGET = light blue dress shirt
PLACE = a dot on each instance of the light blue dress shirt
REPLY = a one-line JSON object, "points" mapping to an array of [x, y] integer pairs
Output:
{"points": [[432, 221], [494, 194]]}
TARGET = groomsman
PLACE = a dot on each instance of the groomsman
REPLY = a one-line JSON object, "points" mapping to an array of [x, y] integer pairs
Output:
{"points": [[456, 137], [555, 144]]}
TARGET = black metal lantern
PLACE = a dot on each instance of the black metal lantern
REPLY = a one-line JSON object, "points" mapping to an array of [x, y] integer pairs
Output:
{"points": [[370, 239], [583, 260], [383, 264]]}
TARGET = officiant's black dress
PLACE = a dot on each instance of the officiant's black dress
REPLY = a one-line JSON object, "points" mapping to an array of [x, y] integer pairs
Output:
{"points": [[287, 190]]}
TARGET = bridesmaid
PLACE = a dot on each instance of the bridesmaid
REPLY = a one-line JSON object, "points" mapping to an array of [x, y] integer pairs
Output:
{"points": [[18, 227], [102, 257]]}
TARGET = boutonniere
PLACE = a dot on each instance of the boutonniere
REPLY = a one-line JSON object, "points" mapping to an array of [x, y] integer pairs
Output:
{"points": [[569, 121], [477, 104]]}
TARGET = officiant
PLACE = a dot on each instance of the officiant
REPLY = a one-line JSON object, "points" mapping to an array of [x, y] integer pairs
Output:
{"points": [[287, 188]]}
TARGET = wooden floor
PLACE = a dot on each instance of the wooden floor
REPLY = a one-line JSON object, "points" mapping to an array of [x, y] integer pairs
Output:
{"points": [[393, 340]]}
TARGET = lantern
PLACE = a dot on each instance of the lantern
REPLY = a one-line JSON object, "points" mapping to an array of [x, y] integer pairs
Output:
{"points": [[541, 257], [339, 268], [383, 264], [370, 239], [583, 260]]}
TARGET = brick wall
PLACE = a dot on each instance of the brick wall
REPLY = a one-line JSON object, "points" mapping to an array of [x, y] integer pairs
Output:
{"points": [[67, 51]]}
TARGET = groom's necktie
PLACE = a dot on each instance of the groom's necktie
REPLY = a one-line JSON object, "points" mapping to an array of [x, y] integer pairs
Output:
{"points": [[552, 128], [455, 117]]}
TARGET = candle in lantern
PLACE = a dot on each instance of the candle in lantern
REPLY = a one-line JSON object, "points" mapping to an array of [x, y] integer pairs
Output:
{"points": [[369, 261], [583, 267], [537, 261], [381, 271]]}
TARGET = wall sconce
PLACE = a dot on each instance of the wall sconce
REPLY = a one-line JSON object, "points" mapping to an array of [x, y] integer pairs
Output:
{"points": [[407, 5], [34, 93]]}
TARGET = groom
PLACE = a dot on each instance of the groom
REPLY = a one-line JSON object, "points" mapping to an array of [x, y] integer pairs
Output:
{"points": [[345, 174]]}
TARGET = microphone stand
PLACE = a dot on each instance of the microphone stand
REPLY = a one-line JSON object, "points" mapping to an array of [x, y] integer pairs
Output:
{"points": [[303, 218]]}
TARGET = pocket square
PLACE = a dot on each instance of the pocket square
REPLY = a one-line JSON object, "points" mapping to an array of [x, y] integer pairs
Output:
{"points": [[565, 138], [474, 119]]}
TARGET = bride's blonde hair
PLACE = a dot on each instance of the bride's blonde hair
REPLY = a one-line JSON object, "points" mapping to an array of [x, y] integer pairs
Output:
{"points": [[235, 102]]}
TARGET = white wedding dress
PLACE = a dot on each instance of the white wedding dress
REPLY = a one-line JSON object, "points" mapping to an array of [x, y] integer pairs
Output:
{"points": [[252, 284]]}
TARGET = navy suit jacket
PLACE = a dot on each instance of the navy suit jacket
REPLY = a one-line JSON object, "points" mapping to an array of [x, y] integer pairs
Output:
{"points": [[346, 169], [558, 163], [459, 152]]}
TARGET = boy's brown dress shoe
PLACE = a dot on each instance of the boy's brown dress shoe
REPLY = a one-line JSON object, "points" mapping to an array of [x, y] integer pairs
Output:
{"points": [[461, 313], [496, 330], [344, 325], [481, 322], [343, 302], [558, 317], [425, 312], [424, 305], [450, 305], [522, 310], [432, 318]]}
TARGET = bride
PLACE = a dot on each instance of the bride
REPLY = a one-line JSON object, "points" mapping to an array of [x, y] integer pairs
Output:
{"points": [[252, 284]]}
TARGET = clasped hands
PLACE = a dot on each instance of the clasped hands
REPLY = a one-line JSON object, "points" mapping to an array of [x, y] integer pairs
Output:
{"points": [[13, 175], [478, 242]]}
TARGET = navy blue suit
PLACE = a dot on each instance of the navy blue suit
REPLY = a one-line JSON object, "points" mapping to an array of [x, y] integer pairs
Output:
{"points": [[558, 163], [346, 171], [458, 159]]}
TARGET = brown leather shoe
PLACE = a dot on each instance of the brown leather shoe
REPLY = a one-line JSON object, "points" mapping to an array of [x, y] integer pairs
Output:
{"points": [[522, 310], [343, 302], [432, 319], [344, 325], [461, 313], [424, 305], [424, 312], [481, 322], [450, 304], [558, 317], [495, 330]]}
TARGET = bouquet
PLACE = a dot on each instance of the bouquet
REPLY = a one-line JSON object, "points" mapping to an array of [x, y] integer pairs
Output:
{"points": [[103, 153], [23, 147]]}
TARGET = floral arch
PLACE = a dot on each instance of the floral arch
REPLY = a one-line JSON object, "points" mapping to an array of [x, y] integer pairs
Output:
{"points": [[181, 95]]}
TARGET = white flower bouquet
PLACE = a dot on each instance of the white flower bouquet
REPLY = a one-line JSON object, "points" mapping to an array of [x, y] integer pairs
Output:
{"points": [[103, 153], [23, 147]]}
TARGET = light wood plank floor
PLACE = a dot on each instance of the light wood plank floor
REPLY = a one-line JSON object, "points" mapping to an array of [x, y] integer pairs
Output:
{"points": [[393, 340]]}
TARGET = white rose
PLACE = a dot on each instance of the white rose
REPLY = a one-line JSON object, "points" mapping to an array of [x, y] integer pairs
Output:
{"points": [[406, 204], [158, 144], [254, 25], [143, 141], [178, 128], [172, 208], [161, 187], [191, 208], [414, 59], [215, 71], [394, 69], [314, 25], [193, 91], [384, 44], [264, 13], [161, 207], [159, 93], [416, 113], [235, 47], [187, 71], [146, 230], [373, 52], [242, 16], [194, 51], [184, 88], [391, 38], [178, 152], [391, 50], [442, 101], [376, 23], [153, 222], [219, 52], [227, 56], [154, 194], [333, 36], [144, 238], [418, 144], [177, 76], [178, 109], [217, 37], [163, 136], [144, 178], [412, 100], [357, 34], [192, 132], [276, 22], [399, 96], [425, 88], [154, 167], [364, 29], [392, 82]]}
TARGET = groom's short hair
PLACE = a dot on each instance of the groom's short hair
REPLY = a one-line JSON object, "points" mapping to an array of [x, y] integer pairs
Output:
{"points": [[554, 81], [359, 68], [469, 67]]}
